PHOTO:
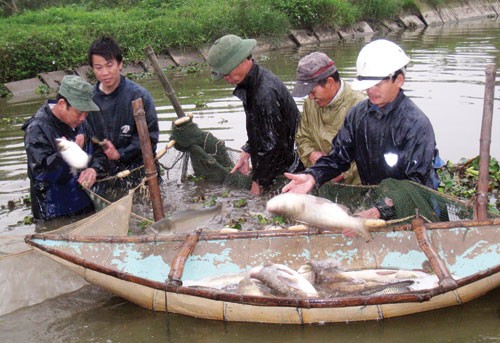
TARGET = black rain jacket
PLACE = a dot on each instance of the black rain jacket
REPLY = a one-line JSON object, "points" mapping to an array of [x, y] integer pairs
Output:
{"points": [[272, 117], [54, 189], [396, 141]]}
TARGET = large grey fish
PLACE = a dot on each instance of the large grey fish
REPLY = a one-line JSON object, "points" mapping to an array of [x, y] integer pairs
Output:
{"points": [[284, 281], [185, 221], [331, 280], [319, 212], [72, 154]]}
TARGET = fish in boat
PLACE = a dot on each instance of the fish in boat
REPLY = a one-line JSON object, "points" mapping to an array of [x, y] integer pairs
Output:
{"points": [[72, 154], [329, 278], [157, 272], [185, 221], [319, 212], [284, 281]]}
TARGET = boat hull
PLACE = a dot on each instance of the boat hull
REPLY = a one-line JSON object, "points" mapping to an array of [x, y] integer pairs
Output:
{"points": [[139, 269]]}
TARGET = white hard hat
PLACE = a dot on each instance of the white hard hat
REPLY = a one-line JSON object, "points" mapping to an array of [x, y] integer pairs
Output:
{"points": [[376, 61]]}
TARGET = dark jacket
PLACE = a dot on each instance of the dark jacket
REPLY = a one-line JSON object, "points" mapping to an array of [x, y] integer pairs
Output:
{"points": [[116, 122], [271, 122], [54, 190], [396, 142]]}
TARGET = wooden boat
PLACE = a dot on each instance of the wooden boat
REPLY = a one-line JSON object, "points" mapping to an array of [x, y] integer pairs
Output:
{"points": [[28, 277], [155, 271]]}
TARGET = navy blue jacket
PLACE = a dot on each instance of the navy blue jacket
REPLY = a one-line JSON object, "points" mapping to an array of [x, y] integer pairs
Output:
{"points": [[116, 122], [396, 141]]}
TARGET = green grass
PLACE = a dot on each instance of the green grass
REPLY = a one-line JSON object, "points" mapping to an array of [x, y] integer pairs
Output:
{"points": [[54, 35]]}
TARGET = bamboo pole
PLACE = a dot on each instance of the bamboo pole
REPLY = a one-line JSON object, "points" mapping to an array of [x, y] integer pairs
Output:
{"points": [[481, 208], [438, 266], [164, 81], [179, 261], [148, 157]]}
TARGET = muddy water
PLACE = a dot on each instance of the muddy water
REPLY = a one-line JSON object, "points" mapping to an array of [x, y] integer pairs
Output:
{"points": [[445, 78]]}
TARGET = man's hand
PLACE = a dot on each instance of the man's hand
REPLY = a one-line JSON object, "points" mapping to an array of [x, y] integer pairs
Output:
{"points": [[110, 150], [301, 183], [87, 177], [315, 155], [80, 140], [243, 164]]}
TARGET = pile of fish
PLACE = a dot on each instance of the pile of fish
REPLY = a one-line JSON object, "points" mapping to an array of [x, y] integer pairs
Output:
{"points": [[318, 279]]}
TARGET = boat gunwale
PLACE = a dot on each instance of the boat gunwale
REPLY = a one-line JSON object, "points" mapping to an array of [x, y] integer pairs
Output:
{"points": [[360, 300]]}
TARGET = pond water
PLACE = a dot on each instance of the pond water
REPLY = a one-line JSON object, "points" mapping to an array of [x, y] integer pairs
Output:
{"points": [[445, 78]]}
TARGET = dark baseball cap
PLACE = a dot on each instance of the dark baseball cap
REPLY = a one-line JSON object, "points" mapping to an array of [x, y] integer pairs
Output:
{"points": [[312, 68]]}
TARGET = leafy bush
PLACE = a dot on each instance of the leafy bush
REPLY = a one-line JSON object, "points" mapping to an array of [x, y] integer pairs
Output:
{"points": [[461, 180], [312, 13]]}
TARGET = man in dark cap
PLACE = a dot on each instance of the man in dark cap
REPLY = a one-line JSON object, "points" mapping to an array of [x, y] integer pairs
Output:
{"points": [[328, 100], [55, 189], [271, 113]]}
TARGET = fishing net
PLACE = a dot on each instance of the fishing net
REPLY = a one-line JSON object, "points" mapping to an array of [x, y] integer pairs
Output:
{"points": [[409, 198], [200, 154]]}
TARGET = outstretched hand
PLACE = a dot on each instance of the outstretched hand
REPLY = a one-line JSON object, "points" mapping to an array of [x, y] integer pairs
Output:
{"points": [[301, 183], [243, 164]]}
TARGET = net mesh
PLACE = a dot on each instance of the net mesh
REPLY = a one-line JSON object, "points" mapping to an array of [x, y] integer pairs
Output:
{"points": [[210, 160]]}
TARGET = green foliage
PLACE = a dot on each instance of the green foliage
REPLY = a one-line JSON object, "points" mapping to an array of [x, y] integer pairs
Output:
{"points": [[312, 13], [44, 36], [461, 180], [377, 9]]}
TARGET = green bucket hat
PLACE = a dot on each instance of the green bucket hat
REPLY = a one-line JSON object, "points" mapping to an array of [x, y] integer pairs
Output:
{"points": [[227, 53], [78, 92]]}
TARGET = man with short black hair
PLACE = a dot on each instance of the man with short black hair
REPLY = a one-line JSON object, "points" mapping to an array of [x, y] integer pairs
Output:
{"points": [[55, 190], [114, 94]]}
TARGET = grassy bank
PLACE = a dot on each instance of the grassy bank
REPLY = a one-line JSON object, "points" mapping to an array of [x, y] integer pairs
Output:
{"points": [[57, 37]]}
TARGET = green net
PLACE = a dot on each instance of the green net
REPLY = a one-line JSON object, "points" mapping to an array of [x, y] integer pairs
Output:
{"points": [[210, 158], [409, 198], [211, 161]]}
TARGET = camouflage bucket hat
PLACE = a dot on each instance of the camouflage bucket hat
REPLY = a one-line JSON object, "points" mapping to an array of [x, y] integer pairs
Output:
{"points": [[227, 53], [78, 92]]}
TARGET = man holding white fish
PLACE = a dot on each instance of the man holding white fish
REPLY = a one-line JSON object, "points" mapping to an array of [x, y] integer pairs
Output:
{"points": [[387, 135], [57, 166]]}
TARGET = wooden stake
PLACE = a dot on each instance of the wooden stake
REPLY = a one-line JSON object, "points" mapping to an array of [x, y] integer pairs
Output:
{"points": [[164, 81], [148, 157], [481, 208]]}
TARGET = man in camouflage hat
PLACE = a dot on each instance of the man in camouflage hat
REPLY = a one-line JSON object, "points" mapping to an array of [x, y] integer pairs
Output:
{"points": [[55, 189], [328, 100], [271, 113]]}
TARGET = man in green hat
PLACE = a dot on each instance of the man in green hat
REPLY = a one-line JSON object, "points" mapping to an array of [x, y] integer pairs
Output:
{"points": [[271, 113], [55, 186]]}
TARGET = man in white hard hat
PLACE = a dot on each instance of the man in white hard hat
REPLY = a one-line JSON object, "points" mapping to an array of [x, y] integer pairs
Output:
{"points": [[387, 135], [272, 115]]}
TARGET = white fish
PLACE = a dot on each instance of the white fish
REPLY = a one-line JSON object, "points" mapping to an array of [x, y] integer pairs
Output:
{"points": [[319, 212], [72, 154], [284, 281]]}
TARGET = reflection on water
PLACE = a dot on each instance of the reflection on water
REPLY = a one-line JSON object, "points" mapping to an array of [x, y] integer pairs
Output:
{"points": [[445, 78]]}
